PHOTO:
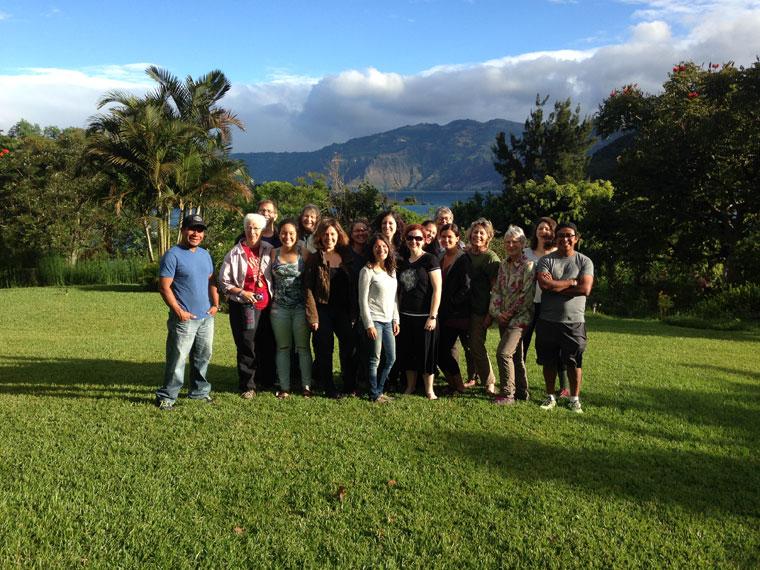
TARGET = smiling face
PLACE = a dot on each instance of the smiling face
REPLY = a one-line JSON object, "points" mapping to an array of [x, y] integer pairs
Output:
{"points": [[431, 230], [388, 227], [330, 239], [414, 241], [253, 232], [193, 236], [479, 238], [444, 218], [288, 235], [309, 220], [359, 233], [380, 251], [514, 246], [566, 239], [267, 210], [544, 233], [448, 240]]}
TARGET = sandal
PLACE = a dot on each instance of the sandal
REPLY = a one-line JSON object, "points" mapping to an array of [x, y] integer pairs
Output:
{"points": [[282, 395]]}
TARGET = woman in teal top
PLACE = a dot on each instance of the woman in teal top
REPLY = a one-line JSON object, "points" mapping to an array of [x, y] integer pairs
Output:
{"points": [[288, 310]]}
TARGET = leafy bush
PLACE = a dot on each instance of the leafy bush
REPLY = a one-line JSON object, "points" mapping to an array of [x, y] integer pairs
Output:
{"points": [[741, 301]]}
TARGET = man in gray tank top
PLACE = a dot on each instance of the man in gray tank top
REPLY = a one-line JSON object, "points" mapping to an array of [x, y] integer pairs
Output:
{"points": [[565, 277]]}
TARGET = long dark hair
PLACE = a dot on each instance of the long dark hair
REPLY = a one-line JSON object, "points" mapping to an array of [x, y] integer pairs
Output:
{"points": [[390, 262], [551, 222], [398, 239]]}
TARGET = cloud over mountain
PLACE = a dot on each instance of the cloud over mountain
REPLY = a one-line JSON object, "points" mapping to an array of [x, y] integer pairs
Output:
{"points": [[305, 113]]}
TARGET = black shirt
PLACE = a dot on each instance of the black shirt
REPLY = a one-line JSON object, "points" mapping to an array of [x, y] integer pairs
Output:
{"points": [[415, 287]]}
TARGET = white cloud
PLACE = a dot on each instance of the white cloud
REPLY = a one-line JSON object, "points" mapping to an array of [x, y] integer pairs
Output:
{"points": [[4, 16], [290, 112]]}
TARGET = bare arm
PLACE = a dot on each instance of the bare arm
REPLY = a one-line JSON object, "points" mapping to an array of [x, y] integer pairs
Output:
{"points": [[213, 295], [547, 283], [582, 288], [165, 288], [435, 302]]}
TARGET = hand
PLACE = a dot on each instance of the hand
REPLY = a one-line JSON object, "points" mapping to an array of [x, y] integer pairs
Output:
{"points": [[247, 295], [396, 328], [487, 320], [430, 324], [185, 315], [504, 318], [372, 333], [314, 326], [212, 311]]}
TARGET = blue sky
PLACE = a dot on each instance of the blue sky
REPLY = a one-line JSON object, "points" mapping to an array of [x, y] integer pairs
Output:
{"points": [[309, 73]]}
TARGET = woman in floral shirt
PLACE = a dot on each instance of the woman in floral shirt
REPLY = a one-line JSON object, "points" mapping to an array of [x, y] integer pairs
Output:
{"points": [[512, 308]]}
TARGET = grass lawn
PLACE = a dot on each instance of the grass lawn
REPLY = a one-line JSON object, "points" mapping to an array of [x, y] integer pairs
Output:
{"points": [[661, 470]]}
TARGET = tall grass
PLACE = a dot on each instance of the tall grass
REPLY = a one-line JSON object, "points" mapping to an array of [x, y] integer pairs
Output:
{"points": [[53, 270]]}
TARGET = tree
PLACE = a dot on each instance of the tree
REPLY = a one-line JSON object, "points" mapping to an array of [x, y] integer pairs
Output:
{"points": [[50, 204], [583, 202], [169, 151], [557, 146], [687, 187]]}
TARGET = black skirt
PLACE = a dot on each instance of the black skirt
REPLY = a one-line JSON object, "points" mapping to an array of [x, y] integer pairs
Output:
{"points": [[417, 349]]}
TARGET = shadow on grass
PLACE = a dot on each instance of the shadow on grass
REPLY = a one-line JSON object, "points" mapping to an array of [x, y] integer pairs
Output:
{"points": [[723, 370], [732, 408], [90, 378], [693, 480], [601, 323]]}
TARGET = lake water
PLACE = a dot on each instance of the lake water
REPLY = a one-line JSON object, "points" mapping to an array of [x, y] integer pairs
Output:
{"points": [[430, 200]]}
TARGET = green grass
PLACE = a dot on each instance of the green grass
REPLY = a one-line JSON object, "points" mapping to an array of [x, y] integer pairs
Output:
{"points": [[662, 469]]}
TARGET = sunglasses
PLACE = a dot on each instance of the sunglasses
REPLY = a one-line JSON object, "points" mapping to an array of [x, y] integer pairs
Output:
{"points": [[414, 238]]}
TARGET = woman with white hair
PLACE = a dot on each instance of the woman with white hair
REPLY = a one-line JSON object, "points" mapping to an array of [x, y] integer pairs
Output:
{"points": [[511, 307], [245, 280]]}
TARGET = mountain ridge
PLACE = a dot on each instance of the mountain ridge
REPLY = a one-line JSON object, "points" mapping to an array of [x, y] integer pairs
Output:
{"points": [[422, 157]]}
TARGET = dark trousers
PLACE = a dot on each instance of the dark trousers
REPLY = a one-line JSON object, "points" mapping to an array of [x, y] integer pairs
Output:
{"points": [[245, 342], [266, 348], [448, 355], [334, 321]]}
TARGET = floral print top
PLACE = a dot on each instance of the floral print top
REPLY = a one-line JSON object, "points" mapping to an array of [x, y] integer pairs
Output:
{"points": [[513, 292]]}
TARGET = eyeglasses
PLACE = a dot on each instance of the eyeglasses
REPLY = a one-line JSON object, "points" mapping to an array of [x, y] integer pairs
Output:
{"points": [[565, 236], [414, 238]]}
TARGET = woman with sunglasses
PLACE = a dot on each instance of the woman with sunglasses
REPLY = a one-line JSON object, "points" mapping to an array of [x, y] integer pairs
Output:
{"points": [[419, 277]]}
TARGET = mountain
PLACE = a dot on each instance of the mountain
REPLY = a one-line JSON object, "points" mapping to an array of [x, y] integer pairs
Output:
{"points": [[426, 157]]}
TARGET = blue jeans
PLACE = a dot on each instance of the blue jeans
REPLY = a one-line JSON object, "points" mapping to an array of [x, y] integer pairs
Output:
{"points": [[385, 342], [192, 338], [289, 324]]}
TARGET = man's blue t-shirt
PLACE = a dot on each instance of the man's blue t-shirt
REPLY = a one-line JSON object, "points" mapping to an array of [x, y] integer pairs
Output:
{"points": [[190, 271]]}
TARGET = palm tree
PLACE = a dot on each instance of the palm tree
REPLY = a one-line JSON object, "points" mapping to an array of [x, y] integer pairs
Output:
{"points": [[171, 146], [137, 139]]}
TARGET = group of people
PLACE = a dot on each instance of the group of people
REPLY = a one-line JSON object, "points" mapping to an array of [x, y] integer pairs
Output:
{"points": [[401, 299]]}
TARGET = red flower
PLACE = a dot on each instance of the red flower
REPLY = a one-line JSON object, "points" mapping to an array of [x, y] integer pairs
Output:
{"points": [[613, 93], [675, 69], [715, 65], [693, 94], [5, 151], [681, 68]]}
